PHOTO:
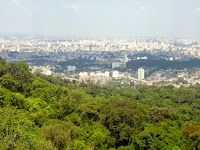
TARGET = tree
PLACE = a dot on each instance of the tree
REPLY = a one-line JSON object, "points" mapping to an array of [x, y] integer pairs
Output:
{"points": [[123, 118]]}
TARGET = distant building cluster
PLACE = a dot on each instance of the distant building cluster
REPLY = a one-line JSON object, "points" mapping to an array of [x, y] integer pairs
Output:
{"points": [[98, 77], [14, 48], [113, 54], [177, 78], [102, 77], [41, 69]]}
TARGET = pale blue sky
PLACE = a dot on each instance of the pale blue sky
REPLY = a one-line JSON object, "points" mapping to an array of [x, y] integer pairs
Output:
{"points": [[101, 18]]}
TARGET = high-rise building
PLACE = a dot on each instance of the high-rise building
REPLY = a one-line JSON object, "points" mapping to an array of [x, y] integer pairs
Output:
{"points": [[113, 65], [116, 65], [2, 46], [140, 73]]}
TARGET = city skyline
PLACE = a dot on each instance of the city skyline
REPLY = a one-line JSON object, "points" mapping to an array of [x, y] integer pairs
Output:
{"points": [[105, 18]]}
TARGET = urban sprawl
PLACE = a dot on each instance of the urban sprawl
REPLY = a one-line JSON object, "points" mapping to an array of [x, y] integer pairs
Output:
{"points": [[151, 61]]}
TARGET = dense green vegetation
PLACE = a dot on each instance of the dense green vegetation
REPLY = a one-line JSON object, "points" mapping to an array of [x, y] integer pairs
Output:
{"points": [[43, 112], [80, 63], [163, 64]]}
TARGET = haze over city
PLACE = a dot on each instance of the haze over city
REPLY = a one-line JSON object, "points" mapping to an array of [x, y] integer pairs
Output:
{"points": [[101, 18]]}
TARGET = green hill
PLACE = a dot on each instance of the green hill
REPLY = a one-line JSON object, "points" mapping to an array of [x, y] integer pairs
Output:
{"points": [[42, 113]]}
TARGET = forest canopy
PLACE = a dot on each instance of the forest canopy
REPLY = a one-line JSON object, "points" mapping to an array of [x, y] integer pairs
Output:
{"points": [[46, 112]]}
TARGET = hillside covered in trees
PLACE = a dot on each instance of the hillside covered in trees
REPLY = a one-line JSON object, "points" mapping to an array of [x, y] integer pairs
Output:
{"points": [[46, 113]]}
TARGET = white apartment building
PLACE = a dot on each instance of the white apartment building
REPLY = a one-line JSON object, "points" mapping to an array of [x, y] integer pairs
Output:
{"points": [[140, 73], [115, 74], [71, 68]]}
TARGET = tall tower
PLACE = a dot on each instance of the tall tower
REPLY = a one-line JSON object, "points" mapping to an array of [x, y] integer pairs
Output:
{"points": [[140, 73]]}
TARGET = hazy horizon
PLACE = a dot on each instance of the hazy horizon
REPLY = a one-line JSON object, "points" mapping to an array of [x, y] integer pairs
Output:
{"points": [[105, 18]]}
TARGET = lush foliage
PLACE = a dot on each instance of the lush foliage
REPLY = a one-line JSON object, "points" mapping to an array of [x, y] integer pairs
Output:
{"points": [[43, 112]]}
